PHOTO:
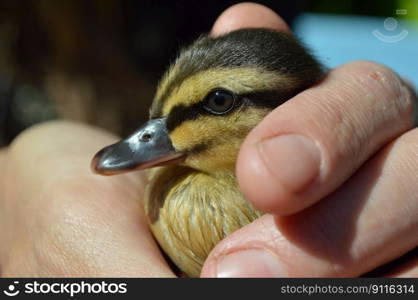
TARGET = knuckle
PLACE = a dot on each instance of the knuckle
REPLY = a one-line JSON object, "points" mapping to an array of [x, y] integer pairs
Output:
{"points": [[378, 80], [369, 105], [391, 95], [375, 78], [386, 97], [373, 71]]}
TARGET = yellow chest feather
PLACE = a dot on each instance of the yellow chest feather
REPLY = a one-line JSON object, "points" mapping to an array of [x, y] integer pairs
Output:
{"points": [[190, 212]]}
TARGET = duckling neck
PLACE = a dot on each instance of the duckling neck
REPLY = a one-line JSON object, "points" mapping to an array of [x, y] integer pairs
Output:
{"points": [[191, 211]]}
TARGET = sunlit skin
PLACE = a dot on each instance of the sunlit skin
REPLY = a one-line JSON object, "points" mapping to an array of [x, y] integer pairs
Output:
{"points": [[71, 222]]}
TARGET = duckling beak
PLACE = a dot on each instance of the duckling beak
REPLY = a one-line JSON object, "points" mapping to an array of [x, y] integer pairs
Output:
{"points": [[147, 147]]}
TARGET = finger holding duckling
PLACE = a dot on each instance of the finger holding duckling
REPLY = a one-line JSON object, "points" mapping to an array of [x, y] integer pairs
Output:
{"points": [[347, 145]]}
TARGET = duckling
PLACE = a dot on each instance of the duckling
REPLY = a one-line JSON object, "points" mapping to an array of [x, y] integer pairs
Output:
{"points": [[217, 90]]}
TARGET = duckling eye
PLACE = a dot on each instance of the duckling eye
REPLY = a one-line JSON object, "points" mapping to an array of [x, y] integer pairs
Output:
{"points": [[219, 102]]}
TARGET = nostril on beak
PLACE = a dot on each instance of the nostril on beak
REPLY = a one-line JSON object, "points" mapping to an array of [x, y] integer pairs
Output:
{"points": [[146, 137]]}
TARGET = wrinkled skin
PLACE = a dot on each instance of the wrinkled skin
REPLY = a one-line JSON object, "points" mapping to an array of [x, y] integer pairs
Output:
{"points": [[350, 200]]}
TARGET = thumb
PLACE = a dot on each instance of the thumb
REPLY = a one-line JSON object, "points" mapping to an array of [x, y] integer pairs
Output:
{"points": [[346, 234]]}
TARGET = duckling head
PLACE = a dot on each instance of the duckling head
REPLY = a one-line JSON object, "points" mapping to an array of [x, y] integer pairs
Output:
{"points": [[217, 90]]}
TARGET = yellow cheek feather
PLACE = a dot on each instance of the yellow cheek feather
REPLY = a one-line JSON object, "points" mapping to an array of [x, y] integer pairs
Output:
{"points": [[219, 136], [238, 80]]}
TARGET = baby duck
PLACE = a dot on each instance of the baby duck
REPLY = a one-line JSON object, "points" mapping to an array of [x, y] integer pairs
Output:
{"points": [[217, 90]]}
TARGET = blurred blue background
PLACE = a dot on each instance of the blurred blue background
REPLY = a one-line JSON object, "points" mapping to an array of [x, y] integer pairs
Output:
{"points": [[337, 39]]}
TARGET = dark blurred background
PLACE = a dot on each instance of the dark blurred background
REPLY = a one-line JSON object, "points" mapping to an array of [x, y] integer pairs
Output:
{"points": [[98, 62]]}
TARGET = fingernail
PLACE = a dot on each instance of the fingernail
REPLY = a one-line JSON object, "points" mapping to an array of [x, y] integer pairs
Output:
{"points": [[293, 160], [249, 263]]}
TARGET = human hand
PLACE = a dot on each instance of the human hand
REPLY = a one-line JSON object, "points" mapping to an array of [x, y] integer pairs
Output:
{"points": [[334, 168], [58, 219]]}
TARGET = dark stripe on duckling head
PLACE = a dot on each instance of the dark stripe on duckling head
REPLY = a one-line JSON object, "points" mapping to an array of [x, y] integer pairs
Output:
{"points": [[268, 99], [261, 99], [261, 48], [181, 113]]}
